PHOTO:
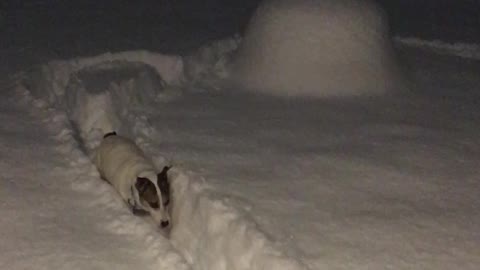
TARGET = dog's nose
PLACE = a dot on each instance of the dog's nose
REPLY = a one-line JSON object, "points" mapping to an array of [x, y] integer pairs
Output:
{"points": [[164, 224]]}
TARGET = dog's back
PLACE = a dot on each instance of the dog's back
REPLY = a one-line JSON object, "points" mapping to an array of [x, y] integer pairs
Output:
{"points": [[124, 165], [119, 160]]}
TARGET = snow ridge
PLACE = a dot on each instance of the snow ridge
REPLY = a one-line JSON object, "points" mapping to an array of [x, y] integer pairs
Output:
{"points": [[464, 50], [214, 235]]}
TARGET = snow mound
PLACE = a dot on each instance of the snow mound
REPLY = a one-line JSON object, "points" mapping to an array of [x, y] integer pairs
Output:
{"points": [[317, 48]]}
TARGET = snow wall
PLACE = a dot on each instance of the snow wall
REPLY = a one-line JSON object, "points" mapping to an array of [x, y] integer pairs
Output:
{"points": [[112, 92], [315, 48], [99, 94]]}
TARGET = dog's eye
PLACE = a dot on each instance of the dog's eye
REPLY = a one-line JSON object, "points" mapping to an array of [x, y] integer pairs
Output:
{"points": [[165, 204], [154, 205]]}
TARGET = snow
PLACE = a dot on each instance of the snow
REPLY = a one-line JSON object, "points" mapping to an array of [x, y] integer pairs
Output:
{"points": [[461, 49], [317, 49], [259, 182]]}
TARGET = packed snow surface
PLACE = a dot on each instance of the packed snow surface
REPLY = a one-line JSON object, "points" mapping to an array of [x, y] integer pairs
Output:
{"points": [[324, 48]]}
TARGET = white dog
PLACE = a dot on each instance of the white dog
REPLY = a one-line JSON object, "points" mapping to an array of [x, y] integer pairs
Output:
{"points": [[123, 164]]}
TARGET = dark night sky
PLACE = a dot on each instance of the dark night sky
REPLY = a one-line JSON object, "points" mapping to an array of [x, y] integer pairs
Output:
{"points": [[147, 24]]}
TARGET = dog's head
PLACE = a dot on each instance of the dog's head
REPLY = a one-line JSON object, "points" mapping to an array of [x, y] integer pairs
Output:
{"points": [[154, 196]]}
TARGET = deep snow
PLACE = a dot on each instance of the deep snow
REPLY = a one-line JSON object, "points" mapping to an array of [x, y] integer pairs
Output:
{"points": [[364, 183], [386, 182], [95, 95]]}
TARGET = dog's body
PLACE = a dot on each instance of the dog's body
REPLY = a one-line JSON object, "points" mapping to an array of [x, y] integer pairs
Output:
{"points": [[124, 165]]}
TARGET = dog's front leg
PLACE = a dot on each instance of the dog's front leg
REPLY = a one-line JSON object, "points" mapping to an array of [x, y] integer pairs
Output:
{"points": [[136, 210], [132, 204], [139, 212]]}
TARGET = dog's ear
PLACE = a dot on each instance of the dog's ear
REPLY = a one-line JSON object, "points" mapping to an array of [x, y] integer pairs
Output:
{"points": [[141, 184], [147, 192], [164, 185], [162, 176]]}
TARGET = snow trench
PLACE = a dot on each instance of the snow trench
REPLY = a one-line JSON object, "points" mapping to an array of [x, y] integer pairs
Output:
{"points": [[115, 92]]}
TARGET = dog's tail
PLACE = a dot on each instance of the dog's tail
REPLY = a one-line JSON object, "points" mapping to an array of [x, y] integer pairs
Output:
{"points": [[113, 133]]}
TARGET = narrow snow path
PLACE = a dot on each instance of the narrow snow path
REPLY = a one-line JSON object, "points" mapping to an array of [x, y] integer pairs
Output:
{"points": [[56, 213]]}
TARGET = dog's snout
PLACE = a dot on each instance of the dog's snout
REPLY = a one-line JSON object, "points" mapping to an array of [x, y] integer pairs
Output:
{"points": [[164, 224]]}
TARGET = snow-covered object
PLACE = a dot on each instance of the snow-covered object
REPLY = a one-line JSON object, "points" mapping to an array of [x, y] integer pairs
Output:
{"points": [[317, 48]]}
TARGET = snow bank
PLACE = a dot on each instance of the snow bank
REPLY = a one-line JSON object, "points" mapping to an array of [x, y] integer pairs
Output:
{"points": [[214, 235], [49, 81], [99, 99], [99, 93], [316, 48], [465, 50]]}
